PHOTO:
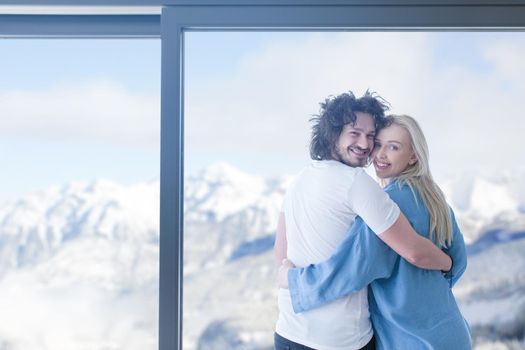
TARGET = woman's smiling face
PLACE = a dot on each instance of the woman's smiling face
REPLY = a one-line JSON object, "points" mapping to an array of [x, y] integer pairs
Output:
{"points": [[393, 152]]}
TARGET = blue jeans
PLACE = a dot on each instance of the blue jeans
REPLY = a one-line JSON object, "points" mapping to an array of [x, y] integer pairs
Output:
{"points": [[281, 343]]}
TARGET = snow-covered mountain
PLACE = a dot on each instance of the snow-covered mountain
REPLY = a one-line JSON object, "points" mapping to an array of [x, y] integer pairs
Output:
{"points": [[79, 268], [42, 224], [221, 190], [491, 295], [225, 210], [88, 251], [485, 203]]}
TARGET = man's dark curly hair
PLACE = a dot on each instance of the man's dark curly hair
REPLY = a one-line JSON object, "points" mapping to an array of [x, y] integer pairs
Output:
{"points": [[335, 113]]}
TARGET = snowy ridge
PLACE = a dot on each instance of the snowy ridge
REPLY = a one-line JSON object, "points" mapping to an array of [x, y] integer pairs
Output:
{"points": [[94, 242], [98, 241], [233, 206], [224, 209], [484, 203], [236, 207], [221, 190], [491, 296], [40, 224]]}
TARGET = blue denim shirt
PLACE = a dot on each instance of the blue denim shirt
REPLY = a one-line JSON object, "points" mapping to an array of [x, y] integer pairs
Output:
{"points": [[410, 308]]}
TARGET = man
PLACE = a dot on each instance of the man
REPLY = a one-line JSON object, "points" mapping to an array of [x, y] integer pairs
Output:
{"points": [[319, 207]]}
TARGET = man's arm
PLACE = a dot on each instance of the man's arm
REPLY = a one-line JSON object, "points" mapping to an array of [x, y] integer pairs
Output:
{"points": [[281, 245], [416, 249]]}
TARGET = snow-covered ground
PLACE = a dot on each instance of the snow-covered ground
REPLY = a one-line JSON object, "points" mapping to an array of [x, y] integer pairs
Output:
{"points": [[79, 263]]}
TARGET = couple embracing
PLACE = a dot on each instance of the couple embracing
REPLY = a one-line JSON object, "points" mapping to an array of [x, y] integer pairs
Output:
{"points": [[365, 267]]}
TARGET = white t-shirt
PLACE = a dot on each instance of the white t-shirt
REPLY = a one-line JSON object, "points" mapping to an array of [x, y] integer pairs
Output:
{"points": [[320, 206]]}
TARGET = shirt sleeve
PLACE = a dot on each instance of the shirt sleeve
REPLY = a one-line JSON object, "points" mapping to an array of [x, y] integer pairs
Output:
{"points": [[361, 258], [458, 252], [372, 204]]}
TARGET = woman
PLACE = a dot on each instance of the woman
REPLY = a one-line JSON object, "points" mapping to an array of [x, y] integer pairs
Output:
{"points": [[410, 308]]}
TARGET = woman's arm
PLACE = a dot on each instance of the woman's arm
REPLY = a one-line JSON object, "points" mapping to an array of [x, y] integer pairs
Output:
{"points": [[358, 260], [281, 245], [381, 213], [416, 249]]}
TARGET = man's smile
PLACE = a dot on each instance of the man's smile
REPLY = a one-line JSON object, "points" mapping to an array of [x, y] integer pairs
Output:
{"points": [[359, 151]]}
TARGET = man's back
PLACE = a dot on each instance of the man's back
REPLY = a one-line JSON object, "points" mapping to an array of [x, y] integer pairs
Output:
{"points": [[318, 211]]}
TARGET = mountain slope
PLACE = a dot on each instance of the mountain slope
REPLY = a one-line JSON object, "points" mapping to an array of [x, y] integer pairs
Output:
{"points": [[97, 242]]}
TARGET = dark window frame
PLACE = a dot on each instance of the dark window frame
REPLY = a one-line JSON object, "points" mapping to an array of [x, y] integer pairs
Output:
{"points": [[180, 16]]}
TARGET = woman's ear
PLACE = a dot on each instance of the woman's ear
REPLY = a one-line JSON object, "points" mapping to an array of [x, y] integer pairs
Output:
{"points": [[413, 159]]}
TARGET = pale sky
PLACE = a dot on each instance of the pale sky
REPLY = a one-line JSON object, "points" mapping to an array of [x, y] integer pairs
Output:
{"points": [[464, 88], [86, 109]]}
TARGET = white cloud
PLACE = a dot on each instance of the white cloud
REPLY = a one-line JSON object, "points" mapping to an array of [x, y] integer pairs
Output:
{"points": [[95, 111], [477, 120], [471, 117], [274, 92], [506, 56]]}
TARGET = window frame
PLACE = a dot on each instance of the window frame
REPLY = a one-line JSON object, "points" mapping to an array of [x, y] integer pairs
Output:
{"points": [[180, 16], [79, 26]]}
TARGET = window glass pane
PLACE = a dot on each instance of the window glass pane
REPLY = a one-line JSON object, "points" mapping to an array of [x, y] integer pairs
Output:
{"points": [[79, 207], [248, 99]]}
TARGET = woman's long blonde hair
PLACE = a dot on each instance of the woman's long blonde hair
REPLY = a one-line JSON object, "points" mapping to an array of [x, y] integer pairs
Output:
{"points": [[419, 179]]}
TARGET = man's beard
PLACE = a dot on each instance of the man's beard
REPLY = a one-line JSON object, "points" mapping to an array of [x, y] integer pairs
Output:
{"points": [[347, 161]]}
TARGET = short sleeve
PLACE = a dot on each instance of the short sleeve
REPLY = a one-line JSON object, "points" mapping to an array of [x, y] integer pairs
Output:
{"points": [[372, 204]]}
